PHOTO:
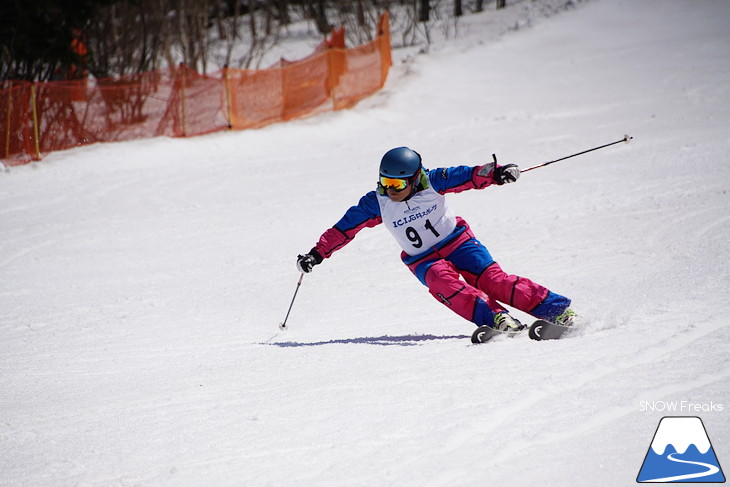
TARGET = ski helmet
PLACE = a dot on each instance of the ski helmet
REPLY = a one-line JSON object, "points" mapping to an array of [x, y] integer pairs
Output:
{"points": [[400, 162]]}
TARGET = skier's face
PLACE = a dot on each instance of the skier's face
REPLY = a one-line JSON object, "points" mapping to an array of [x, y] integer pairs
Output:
{"points": [[399, 196]]}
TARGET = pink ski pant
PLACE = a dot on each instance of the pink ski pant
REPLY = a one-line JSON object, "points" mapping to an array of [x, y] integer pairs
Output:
{"points": [[462, 275]]}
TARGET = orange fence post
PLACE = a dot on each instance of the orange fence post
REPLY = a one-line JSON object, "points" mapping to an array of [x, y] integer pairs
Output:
{"points": [[182, 100], [335, 47], [332, 85], [285, 93], [35, 122], [228, 95], [386, 60], [7, 120]]}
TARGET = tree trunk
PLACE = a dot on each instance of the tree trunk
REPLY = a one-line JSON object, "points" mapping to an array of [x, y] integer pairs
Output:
{"points": [[424, 11], [282, 6], [318, 13], [360, 12], [458, 11]]}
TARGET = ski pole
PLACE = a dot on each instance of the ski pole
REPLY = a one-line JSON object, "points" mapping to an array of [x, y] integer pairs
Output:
{"points": [[282, 326], [626, 139]]}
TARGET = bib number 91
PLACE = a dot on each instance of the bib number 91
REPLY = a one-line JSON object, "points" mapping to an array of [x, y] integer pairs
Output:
{"points": [[415, 239]]}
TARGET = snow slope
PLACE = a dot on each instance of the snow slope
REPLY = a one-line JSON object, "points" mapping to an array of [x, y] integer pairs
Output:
{"points": [[141, 284]]}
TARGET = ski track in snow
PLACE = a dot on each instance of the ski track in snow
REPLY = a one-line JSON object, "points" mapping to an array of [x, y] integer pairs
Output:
{"points": [[142, 283]]}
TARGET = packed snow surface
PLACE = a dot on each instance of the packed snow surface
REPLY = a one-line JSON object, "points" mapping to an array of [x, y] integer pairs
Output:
{"points": [[142, 283]]}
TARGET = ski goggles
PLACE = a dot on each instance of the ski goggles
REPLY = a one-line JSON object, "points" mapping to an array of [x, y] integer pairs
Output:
{"points": [[396, 184]]}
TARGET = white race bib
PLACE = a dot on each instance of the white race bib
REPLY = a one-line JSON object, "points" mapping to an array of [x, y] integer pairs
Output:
{"points": [[418, 223]]}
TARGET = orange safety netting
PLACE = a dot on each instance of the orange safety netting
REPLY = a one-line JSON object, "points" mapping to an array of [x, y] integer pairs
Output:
{"points": [[38, 118]]}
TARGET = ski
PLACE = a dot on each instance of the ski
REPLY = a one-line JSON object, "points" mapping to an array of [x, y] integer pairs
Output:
{"points": [[545, 330], [485, 333]]}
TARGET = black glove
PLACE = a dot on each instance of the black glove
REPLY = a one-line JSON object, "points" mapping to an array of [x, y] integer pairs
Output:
{"points": [[307, 261], [506, 174]]}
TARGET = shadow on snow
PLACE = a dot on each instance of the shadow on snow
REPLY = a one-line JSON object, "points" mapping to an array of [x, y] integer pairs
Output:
{"points": [[385, 340]]}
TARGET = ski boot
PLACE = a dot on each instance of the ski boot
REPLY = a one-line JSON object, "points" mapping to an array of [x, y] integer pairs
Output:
{"points": [[503, 323]]}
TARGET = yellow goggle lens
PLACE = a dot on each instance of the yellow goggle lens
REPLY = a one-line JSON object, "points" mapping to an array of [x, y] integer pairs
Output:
{"points": [[395, 183]]}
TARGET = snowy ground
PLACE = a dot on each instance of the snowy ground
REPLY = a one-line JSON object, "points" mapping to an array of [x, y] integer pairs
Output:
{"points": [[141, 284]]}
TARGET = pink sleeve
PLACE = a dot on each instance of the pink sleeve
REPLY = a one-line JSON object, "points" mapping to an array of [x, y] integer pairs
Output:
{"points": [[334, 238], [365, 214]]}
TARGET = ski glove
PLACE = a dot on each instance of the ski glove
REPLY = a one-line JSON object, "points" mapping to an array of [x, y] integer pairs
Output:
{"points": [[506, 174], [307, 261]]}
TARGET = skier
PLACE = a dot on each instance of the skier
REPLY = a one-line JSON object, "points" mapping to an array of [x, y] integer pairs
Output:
{"points": [[439, 247]]}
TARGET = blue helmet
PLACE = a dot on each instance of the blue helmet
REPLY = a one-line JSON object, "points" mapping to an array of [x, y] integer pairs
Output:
{"points": [[400, 162]]}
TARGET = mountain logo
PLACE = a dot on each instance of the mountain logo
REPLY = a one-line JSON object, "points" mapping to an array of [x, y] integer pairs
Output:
{"points": [[681, 452]]}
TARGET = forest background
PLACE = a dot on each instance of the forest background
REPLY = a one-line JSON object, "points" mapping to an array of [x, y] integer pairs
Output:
{"points": [[68, 39]]}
